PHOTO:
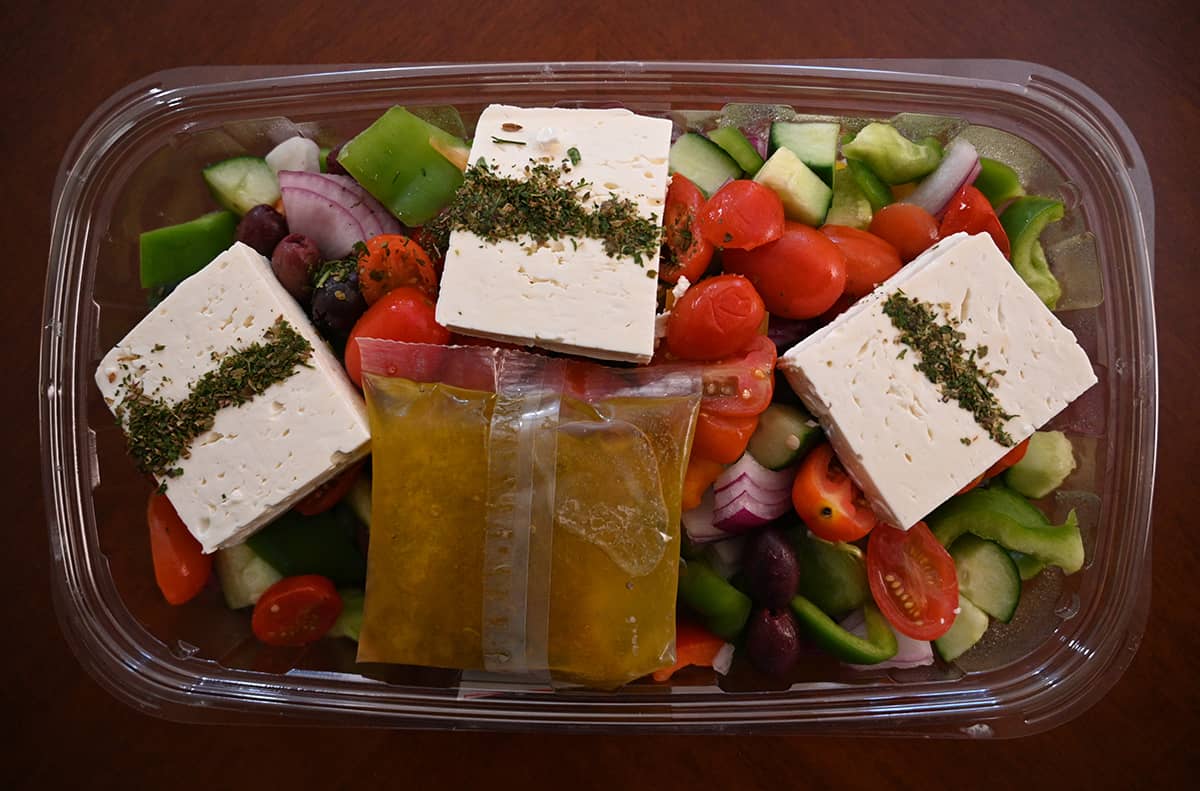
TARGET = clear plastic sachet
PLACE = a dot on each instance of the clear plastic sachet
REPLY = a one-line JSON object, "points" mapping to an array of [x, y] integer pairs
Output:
{"points": [[525, 513]]}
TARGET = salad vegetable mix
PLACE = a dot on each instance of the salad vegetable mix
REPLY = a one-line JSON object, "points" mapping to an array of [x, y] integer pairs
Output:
{"points": [[863, 467]]}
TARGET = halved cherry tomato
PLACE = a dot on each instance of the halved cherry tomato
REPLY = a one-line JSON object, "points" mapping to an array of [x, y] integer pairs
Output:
{"points": [[330, 493], [913, 581], [870, 260], [391, 261], [742, 215], [694, 645], [296, 611], [978, 480], [701, 473], [722, 439], [970, 211], [827, 500], [908, 227], [715, 318], [687, 253], [799, 276], [402, 314], [1008, 459], [741, 386], [181, 568]]}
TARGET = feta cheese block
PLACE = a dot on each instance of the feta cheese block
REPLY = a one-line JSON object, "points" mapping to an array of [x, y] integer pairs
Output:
{"points": [[906, 447], [567, 295], [259, 458]]}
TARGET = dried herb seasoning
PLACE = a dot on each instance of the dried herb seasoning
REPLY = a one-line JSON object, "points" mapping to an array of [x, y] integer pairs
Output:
{"points": [[945, 362]]}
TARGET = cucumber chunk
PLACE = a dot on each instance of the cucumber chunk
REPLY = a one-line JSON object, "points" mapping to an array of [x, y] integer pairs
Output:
{"points": [[702, 162], [967, 629], [987, 575], [241, 183], [1047, 463], [815, 143], [805, 197], [735, 144], [784, 434], [168, 255], [244, 575]]}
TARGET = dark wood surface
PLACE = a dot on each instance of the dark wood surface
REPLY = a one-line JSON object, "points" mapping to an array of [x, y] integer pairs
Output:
{"points": [[61, 59]]}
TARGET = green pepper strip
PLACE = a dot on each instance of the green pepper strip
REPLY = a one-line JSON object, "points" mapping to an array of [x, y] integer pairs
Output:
{"points": [[1023, 222], [724, 607], [998, 182], [891, 155], [880, 643]]}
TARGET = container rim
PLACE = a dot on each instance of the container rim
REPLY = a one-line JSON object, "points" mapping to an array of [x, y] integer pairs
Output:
{"points": [[112, 650]]}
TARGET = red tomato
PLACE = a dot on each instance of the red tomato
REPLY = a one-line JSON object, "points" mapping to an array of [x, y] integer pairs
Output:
{"points": [[799, 276], [869, 259], [181, 568], [1008, 459], [970, 211], [912, 579], [715, 318], [693, 646], [722, 439], [907, 227], [827, 500], [391, 261], [687, 253], [741, 386], [742, 215], [402, 314], [841, 306], [296, 611], [330, 493]]}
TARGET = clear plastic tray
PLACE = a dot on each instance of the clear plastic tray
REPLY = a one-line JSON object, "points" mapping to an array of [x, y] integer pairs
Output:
{"points": [[134, 165]]}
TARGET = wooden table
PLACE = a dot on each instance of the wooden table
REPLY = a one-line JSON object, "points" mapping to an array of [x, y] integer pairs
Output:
{"points": [[60, 59]]}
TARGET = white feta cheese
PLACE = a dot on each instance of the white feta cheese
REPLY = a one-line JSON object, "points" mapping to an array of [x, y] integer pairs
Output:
{"points": [[568, 295], [903, 445], [261, 457]]}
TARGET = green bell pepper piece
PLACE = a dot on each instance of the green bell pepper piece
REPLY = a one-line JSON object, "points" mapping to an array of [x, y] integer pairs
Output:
{"points": [[1023, 222], [850, 206], [833, 575], [998, 182], [999, 514], [891, 155], [724, 607], [879, 646], [175, 252], [1027, 565], [323, 544], [395, 160]]}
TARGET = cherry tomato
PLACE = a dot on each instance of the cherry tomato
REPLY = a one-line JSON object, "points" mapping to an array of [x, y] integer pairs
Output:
{"points": [[827, 500], [687, 253], [700, 474], [722, 439], [742, 215], [869, 259], [330, 493], [841, 306], [181, 568], [402, 314], [799, 276], [391, 261], [715, 318], [912, 579], [908, 227], [970, 211], [1008, 459], [296, 611], [741, 386], [978, 480]]}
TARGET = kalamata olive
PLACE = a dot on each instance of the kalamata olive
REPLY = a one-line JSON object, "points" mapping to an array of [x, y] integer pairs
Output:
{"points": [[337, 302], [293, 261], [262, 228], [331, 161], [771, 569], [773, 641]]}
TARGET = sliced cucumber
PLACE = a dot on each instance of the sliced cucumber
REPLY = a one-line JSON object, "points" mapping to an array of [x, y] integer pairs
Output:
{"points": [[244, 575], [850, 205], [784, 434], [815, 143], [1046, 464], [734, 143], [805, 197], [241, 183], [987, 575], [702, 162], [967, 629], [876, 191]]}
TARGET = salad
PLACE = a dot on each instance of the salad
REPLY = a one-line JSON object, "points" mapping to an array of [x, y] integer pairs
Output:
{"points": [[867, 320]]}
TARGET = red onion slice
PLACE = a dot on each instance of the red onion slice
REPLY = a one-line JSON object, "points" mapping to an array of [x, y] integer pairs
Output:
{"points": [[747, 467], [698, 522], [959, 166], [331, 226], [745, 513], [371, 216]]}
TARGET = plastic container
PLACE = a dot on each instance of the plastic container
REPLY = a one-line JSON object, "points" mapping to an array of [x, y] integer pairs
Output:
{"points": [[134, 165]]}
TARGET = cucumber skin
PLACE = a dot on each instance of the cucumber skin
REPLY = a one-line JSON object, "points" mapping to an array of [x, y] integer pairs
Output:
{"points": [[731, 140], [773, 431], [783, 134], [987, 575], [968, 629], [718, 167], [805, 197], [232, 197]]}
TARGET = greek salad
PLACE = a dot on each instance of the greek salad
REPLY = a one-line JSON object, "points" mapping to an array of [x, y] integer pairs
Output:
{"points": [[871, 316]]}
